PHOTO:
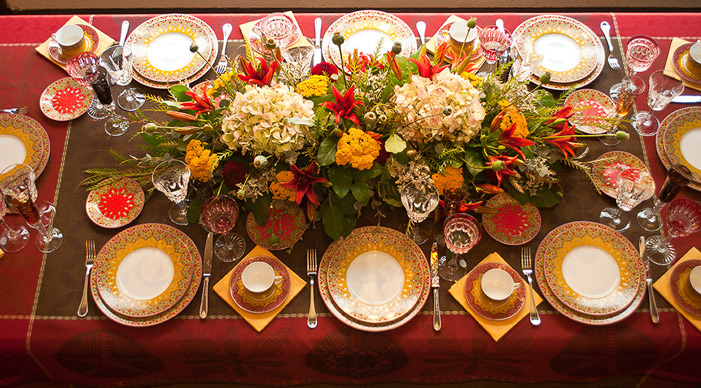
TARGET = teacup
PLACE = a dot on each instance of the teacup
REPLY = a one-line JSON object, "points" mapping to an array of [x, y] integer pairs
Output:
{"points": [[71, 39], [459, 37], [259, 280], [692, 61], [497, 285], [695, 279]]}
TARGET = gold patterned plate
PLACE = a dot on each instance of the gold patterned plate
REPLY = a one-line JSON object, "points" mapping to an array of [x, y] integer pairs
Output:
{"points": [[679, 60], [334, 309], [488, 309], [161, 47], [253, 305], [65, 99], [363, 31], [609, 165], [513, 223], [593, 270], [92, 42], [285, 226], [143, 271], [591, 107], [665, 126], [116, 204], [377, 277], [682, 141], [23, 140], [549, 295], [682, 291]]}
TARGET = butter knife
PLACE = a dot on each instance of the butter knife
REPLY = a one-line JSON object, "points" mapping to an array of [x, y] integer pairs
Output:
{"points": [[687, 99], [654, 315], [317, 42], [435, 284], [206, 273]]}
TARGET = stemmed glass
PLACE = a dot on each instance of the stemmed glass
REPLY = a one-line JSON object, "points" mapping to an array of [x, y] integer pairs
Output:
{"points": [[633, 187], [678, 176], [171, 178], [683, 218], [640, 53], [527, 62], [419, 200], [631, 87], [219, 215], [660, 93], [12, 238], [493, 43], [298, 59], [461, 232], [117, 61], [18, 186]]}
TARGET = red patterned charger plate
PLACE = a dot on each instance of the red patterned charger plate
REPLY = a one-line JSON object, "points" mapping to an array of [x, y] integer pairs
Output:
{"points": [[285, 226]]}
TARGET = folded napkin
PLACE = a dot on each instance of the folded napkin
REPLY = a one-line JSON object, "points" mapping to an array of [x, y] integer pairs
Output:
{"points": [[496, 329], [246, 28], [258, 321], [664, 287], [431, 44], [669, 67], [105, 41]]}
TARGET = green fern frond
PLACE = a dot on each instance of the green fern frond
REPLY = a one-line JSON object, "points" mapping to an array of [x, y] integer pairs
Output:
{"points": [[585, 168]]}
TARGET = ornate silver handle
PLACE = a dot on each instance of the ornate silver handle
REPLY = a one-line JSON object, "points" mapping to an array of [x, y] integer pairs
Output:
{"points": [[606, 28], [436, 311], [535, 318], [311, 318], [83, 307], [204, 305]]}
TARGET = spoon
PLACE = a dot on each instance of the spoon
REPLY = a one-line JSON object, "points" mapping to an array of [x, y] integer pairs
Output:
{"points": [[421, 28]]}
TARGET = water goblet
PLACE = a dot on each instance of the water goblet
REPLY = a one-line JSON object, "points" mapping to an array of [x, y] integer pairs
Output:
{"points": [[525, 65], [298, 60], [419, 200], [461, 232], [117, 60], [683, 218], [171, 178], [633, 187], [640, 53], [493, 43], [631, 87], [661, 91], [678, 176], [219, 215], [12, 238], [279, 28], [20, 191]]}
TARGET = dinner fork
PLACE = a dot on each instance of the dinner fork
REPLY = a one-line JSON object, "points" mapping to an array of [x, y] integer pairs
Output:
{"points": [[528, 271], [613, 61], [223, 63], [19, 111], [89, 260], [311, 272]]}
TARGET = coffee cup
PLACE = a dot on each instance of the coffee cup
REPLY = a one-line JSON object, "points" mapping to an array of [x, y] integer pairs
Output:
{"points": [[497, 285], [692, 62], [259, 280], [460, 36], [71, 39], [695, 279]]}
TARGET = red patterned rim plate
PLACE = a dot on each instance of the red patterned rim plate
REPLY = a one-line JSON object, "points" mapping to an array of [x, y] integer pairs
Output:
{"points": [[678, 59], [92, 43], [609, 165], [590, 108], [179, 305], [682, 291], [23, 135], [513, 223], [485, 308], [285, 226], [65, 99], [661, 133], [682, 140], [247, 303], [561, 307], [116, 204]]}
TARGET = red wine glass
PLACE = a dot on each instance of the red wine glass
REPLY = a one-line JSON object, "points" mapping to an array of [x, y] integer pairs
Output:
{"points": [[219, 215]]}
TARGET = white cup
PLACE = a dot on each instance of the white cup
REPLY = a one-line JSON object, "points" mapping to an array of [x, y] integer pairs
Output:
{"points": [[259, 279], [693, 60], [695, 279], [459, 37], [70, 37], [497, 285]]}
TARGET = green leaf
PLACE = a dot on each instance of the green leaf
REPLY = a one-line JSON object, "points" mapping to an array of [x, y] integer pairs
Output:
{"points": [[395, 144], [334, 222], [473, 160], [361, 192], [260, 209], [341, 180], [547, 100], [327, 151], [300, 121], [542, 198], [178, 91], [368, 174]]}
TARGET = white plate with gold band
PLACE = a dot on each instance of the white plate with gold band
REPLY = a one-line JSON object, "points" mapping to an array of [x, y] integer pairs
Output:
{"points": [[682, 140], [23, 140]]}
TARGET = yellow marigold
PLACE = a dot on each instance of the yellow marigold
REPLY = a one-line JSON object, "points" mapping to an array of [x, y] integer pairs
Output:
{"points": [[219, 83], [314, 86], [513, 116], [280, 192], [358, 149], [200, 160], [474, 79], [448, 174], [504, 104]]}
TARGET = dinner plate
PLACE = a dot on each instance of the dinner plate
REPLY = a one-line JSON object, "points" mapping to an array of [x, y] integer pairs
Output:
{"points": [[363, 31], [175, 309], [23, 140], [512, 223], [665, 126], [333, 308], [143, 271], [490, 309], [252, 305], [65, 99], [92, 42], [678, 62], [682, 291], [548, 294], [682, 141], [607, 167], [591, 108], [377, 277], [116, 204], [285, 226]]}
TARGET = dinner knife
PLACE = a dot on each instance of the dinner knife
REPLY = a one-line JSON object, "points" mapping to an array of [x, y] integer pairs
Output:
{"points": [[123, 34], [687, 99], [654, 315], [206, 273], [435, 284], [317, 42]]}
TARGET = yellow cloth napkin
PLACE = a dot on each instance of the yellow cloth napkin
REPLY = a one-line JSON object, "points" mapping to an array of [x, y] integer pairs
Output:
{"points": [[246, 28], [664, 287], [669, 67], [105, 41], [496, 329], [431, 44], [258, 321]]}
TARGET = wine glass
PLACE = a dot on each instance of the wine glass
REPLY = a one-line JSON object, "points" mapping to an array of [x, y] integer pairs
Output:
{"points": [[461, 232], [527, 62], [660, 93], [493, 43], [678, 176], [640, 53], [171, 178], [298, 59], [419, 200], [633, 187], [683, 218], [12, 238], [219, 215], [18, 186], [631, 87], [117, 60]]}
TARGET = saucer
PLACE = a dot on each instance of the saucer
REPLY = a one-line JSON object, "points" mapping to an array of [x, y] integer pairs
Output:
{"points": [[678, 59], [92, 42], [116, 204], [254, 305], [65, 99], [488, 309], [285, 226], [683, 294]]}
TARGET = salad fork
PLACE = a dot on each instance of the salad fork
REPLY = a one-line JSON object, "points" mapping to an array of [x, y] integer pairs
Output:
{"points": [[89, 260], [527, 270], [19, 111], [223, 63], [612, 60], [311, 272]]}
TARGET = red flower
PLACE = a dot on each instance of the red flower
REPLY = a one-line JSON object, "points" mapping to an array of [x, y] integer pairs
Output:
{"points": [[324, 68], [565, 140], [515, 143], [343, 107], [234, 173], [201, 104], [261, 77], [560, 117], [501, 166], [360, 62], [303, 183], [463, 206], [427, 70]]}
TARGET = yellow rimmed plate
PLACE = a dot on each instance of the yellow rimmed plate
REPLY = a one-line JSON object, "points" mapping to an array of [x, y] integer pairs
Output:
{"points": [[23, 140], [681, 139], [665, 126]]}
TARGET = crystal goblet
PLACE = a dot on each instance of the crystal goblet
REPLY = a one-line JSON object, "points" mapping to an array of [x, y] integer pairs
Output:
{"points": [[678, 176], [461, 233], [660, 93], [631, 88], [117, 60], [12, 238], [419, 200], [640, 53], [493, 43], [171, 178], [683, 218], [219, 215], [633, 187]]}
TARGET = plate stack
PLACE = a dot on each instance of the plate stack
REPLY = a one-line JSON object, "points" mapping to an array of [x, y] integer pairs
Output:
{"points": [[23, 140], [590, 273], [376, 279], [678, 142], [146, 275]]}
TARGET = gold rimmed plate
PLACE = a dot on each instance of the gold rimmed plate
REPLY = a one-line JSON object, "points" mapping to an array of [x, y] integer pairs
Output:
{"points": [[607, 167], [591, 108], [665, 126], [486, 308], [255, 305], [682, 140], [23, 140], [116, 204]]}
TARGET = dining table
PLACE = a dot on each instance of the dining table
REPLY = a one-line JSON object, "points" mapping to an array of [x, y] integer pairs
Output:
{"points": [[43, 340]]}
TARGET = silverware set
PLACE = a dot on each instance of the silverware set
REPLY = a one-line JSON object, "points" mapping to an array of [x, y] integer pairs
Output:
{"points": [[612, 60], [19, 111], [89, 260], [527, 269], [311, 272]]}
